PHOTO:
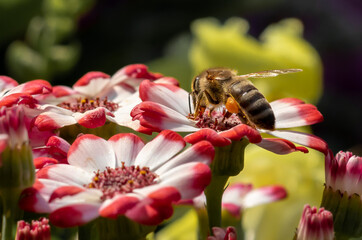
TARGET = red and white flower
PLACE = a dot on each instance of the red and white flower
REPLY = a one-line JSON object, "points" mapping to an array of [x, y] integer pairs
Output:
{"points": [[344, 172], [97, 97], [218, 233], [121, 176], [37, 229], [238, 197], [315, 224], [168, 107], [28, 94]]}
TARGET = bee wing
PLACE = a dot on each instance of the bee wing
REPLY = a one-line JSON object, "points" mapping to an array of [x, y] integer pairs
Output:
{"points": [[271, 73]]}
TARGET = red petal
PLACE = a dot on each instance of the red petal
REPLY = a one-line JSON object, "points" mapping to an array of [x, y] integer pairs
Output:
{"points": [[119, 206], [242, 130], [207, 134], [93, 118], [85, 80], [40, 162], [71, 216], [65, 191]]}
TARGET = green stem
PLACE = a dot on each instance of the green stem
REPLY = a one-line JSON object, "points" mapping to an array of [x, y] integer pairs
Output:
{"points": [[203, 223], [214, 194], [87, 232], [9, 212], [340, 236]]}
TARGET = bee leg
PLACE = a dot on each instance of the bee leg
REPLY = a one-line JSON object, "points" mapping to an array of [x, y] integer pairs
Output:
{"points": [[198, 108], [226, 115], [245, 120]]}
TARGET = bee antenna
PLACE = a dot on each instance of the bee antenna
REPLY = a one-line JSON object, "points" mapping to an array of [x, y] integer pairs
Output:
{"points": [[189, 103]]}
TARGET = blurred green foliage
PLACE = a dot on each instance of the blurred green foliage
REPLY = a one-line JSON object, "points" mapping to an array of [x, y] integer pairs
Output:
{"points": [[49, 47]]}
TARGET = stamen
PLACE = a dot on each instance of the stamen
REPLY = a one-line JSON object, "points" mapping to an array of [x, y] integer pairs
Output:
{"points": [[121, 180], [85, 104]]}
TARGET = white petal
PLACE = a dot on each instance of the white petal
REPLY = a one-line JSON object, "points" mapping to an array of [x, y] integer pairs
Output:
{"points": [[91, 153]]}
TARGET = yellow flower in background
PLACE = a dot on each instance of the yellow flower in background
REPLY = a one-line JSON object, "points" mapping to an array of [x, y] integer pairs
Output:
{"points": [[303, 177], [281, 46]]}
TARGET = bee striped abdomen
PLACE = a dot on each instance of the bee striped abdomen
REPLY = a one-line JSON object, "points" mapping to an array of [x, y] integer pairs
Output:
{"points": [[253, 104]]}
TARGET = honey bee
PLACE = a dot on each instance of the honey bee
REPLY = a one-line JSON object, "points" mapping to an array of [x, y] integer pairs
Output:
{"points": [[215, 87]]}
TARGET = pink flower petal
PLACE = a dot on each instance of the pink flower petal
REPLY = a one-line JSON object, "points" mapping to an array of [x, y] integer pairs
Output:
{"points": [[35, 198], [7, 82], [285, 103], [126, 147], [58, 145], [18, 98], [74, 215], [304, 139], [91, 153], [65, 191], [264, 195], [167, 80], [208, 134], [155, 153], [118, 205], [202, 151], [92, 118], [65, 173], [297, 115], [33, 87], [167, 95], [52, 120], [91, 76], [280, 146], [190, 179], [150, 214], [242, 130], [159, 117], [41, 162]]}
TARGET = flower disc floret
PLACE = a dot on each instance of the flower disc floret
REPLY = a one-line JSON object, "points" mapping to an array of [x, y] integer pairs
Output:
{"points": [[121, 180], [85, 104]]}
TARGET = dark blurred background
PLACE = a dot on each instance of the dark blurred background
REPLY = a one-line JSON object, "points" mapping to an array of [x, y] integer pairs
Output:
{"points": [[60, 40]]}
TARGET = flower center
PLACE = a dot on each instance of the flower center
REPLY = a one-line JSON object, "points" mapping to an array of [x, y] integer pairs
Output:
{"points": [[85, 104], [219, 121], [121, 180]]}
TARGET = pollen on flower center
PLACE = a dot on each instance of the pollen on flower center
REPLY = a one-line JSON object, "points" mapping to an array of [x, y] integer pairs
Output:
{"points": [[121, 180], [217, 120], [85, 104]]}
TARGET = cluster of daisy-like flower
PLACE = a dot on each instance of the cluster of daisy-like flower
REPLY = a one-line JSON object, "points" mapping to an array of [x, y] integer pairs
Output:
{"points": [[92, 172]]}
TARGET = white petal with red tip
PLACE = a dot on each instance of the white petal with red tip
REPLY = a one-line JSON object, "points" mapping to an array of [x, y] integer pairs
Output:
{"points": [[36, 198], [89, 196], [285, 103], [304, 139], [296, 116], [190, 179], [118, 205], [52, 120], [93, 87], [154, 115], [263, 195], [91, 118], [126, 147], [279, 146], [200, 152], [67, 174], [155, 153], [74, 215], [91, 153], [168, 95]]}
